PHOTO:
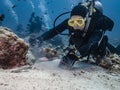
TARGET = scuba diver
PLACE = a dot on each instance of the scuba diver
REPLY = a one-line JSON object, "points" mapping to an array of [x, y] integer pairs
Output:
{"points": [[87, 25], [35, 24]]}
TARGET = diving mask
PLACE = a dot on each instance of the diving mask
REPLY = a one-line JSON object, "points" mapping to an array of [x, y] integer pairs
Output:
{"points": [[78, 21]]}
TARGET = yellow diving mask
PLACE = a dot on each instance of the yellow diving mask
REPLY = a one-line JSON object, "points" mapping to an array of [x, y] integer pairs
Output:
{"points": [[78, 21]]}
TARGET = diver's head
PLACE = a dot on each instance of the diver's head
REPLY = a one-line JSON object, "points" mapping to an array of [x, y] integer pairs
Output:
{"points": [[79, 10], [77, 17]]}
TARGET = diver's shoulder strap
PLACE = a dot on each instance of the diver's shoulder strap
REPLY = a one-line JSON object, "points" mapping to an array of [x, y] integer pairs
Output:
{"points": [[90, 6]]}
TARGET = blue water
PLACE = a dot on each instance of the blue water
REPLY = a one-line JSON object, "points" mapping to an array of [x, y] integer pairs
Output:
{"points": [[112, 9], [49, 10]]}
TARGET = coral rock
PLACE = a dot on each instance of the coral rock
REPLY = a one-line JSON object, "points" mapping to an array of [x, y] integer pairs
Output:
{"points": [[13, 50]]}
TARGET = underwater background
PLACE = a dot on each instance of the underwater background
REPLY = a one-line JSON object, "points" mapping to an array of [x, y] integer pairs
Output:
{"points": [[31, 16]]}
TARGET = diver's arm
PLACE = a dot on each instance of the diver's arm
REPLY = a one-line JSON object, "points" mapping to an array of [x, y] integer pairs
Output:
{"points": [[54, 31]]}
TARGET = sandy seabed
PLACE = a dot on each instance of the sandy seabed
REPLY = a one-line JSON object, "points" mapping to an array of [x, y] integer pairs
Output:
{"points": [[48, 76]]}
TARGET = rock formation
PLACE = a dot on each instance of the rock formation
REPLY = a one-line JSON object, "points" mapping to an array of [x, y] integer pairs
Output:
{"points": [[13, 50]]}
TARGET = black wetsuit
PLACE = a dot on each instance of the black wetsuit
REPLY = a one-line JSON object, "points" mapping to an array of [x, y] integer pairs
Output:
{"points": [[99, 22]]}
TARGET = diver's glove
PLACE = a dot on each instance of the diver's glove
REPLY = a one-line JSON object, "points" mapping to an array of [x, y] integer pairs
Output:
{"points": [[35, 41]]}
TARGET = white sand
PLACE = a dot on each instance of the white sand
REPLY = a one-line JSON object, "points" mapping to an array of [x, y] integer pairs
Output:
{"points": [[48, 76]]}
